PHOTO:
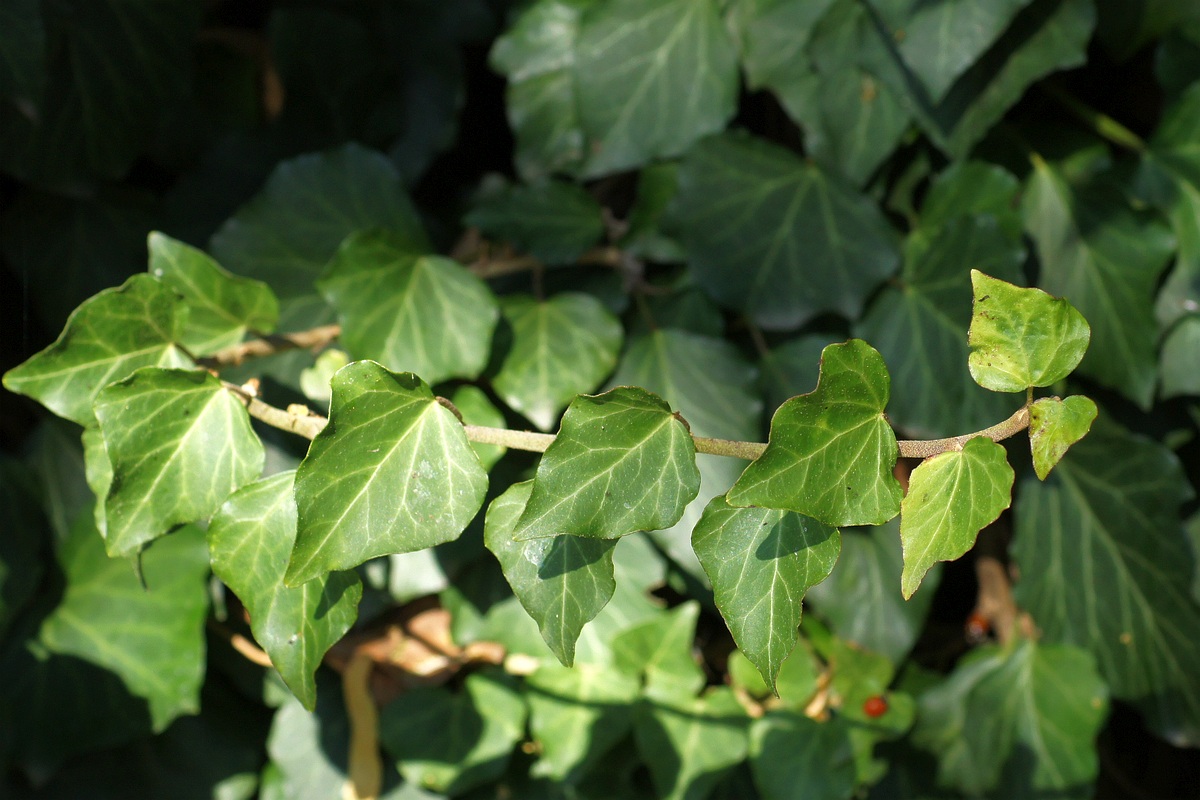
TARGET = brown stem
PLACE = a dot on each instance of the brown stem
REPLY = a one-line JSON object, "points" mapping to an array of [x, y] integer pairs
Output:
{"points": [[271, 344]]}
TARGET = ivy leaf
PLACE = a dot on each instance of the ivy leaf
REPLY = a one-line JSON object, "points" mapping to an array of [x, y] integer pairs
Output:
{"points": [[554, 221], [576, 716], [392, 472], [561, 347], [622, 462], [1015, 723], [775, 238], [793, 756], [109, 336], [477, 409], [831, 452], [1106, 566], [22, 52], [689, 744], [1177, 364], [411, 312], [651, 79], [450, 742], [562, 581], [1055, 425], [250, 539], [179, 444], [1105, 258], [972, 189], [951, 498], [221, 306], [659, 649], [761, 562], [1022, 337], [21, 546]]}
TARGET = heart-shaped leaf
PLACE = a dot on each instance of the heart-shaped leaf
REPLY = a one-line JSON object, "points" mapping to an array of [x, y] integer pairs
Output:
{"points": [[554, 221], [1055, 425]]}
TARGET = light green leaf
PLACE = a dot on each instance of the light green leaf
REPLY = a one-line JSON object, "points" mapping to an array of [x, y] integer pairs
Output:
{"points": [[1106, 566], [105, 339], [576, 716], [392, 472], [554, 221], [689, 744], [660, 651], [561, 347], [315, 380], [1019, 722], [622, 462], [775, 238], [1055, 425], [477, 409], [831, 452], [451, 742], [1022, 337], [250, 539], [1105, 258], [178, 444], [221, 306], [795, 685], [411, 312], [951, 498], [761, 562], [795, 757], [562, 581], [651, 78]]}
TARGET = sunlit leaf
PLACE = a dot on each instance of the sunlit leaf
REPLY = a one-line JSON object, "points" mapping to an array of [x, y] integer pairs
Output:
{"points": [[1055, 425], [553, 221], [831, 452], [689, 744], [392, 472], [951, 498]]}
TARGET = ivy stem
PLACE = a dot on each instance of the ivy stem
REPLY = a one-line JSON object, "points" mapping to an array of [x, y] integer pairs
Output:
{"points": [[267, 345], [924, 448], [1099, 123]]}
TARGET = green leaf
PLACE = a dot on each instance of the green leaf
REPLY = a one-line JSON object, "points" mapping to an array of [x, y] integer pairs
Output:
{"points": [[477, 409], [411, 312], [971, 189], [651, 78], [795, 757], [561, 347], [792, 368], [20, 547], [761, 562], [920, 325], [660, 650], [221, 307], [951, 498], [649, 235], [622, 462], [554, 221], [250, 539], [1177, 363], [1055, 425], [1021, 338], [178, 444], [689, 744], [831, 452], [392, 472], [576, 716], [450, 742], [1019, 722], [22, 51], [563, 581], [105, 339], [1106, 566], [315, 380], [1105, 258], [775, 238]]}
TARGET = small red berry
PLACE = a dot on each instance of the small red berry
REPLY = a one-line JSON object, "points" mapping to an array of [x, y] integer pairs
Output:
{"points": [[977, 628], [875, 707]]}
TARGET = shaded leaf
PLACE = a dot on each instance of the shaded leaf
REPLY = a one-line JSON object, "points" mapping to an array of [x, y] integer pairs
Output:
{"points": [[761, 562], [22, 51], [650, 235], [831, 452], [1177, 363], [689, 744], [970, 189], [250, 539], [951, 498], [105, 339], [24, 529], [554, 221], [411, 312], [477, 409], [795, 757], [392, 472], [660, 651], [622, 462], [1055, 425]]}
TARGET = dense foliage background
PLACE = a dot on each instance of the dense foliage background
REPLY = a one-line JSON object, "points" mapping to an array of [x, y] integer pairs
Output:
{"points": [[706, 192]]}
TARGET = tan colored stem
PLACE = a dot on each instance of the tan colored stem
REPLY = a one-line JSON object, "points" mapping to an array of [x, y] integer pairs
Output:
{"points": [[272, 344], [924, 448]]}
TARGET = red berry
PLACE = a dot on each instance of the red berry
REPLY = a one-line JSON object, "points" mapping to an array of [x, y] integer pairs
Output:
{"points": [[977, 628], [875, 707]]}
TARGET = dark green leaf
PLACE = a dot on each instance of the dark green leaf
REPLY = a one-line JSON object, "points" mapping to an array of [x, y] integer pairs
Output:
{"points": [[392, 472], [563, 581], [1126, 26], [831, 452], [649, 235], [20, 546], [1020, 722], [969, 189], [794, 757], [22, 56], [776, 238], [561, 347], [179, 444], [1105, 565], [951, 498], [761, 562], [555, 221], [250, 539], [792, 368], [477, 409], [409, 311], [660, 651], [1055, 425], [105, 339], [1177, 364], [622, 462], [689, 744]]}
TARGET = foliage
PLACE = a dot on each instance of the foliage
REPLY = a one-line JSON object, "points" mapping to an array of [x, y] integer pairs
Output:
{"points": [[282, 504]]}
